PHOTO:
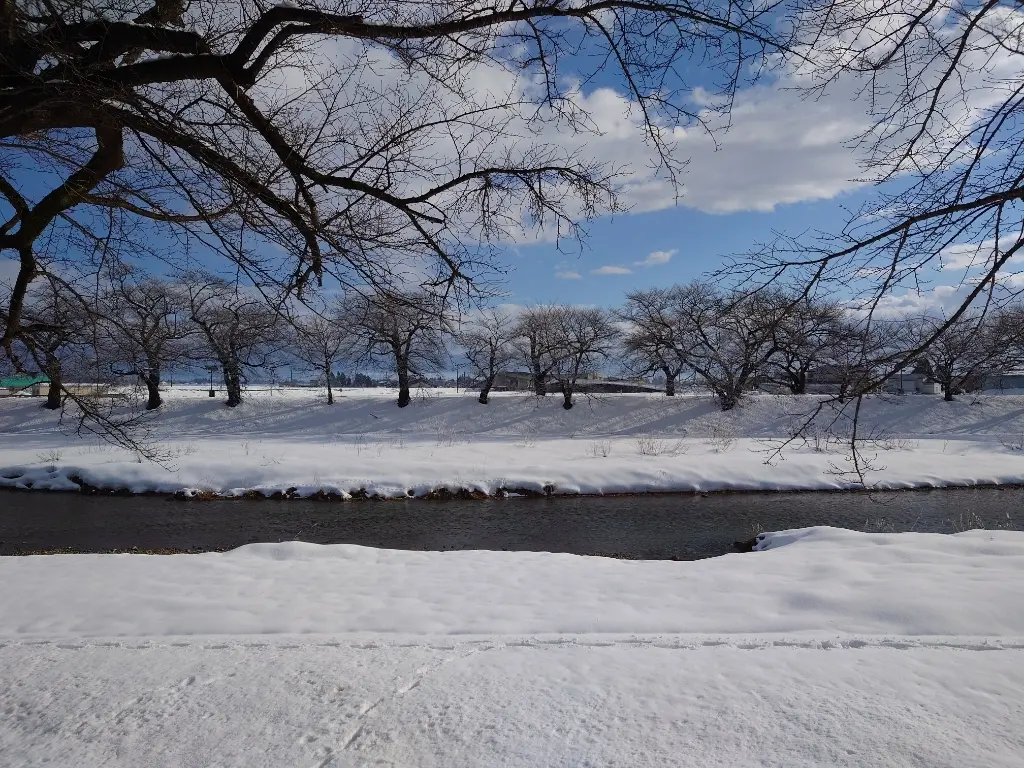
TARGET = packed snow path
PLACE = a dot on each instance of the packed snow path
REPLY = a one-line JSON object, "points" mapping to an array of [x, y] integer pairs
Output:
{"points": [[493, 703], [828, 648], [294, 443]]}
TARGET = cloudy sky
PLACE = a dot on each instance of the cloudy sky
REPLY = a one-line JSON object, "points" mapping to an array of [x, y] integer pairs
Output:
{"points": [[786, 165], [783, 165]]}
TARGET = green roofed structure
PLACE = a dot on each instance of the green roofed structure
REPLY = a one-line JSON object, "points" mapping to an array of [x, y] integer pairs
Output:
{"points": [[22, 385]]}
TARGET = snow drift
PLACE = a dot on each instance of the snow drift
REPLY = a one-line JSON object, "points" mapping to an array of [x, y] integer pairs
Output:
{"points": [[822, 582]]}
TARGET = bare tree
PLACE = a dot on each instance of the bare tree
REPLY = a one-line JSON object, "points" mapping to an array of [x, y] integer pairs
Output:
{"points": [[963, 354], [585, 337], [1009, 326], [369, 159], [147, 326], [407, 331], [61, 339], [805, 337], [860, 356], [488, 343], [537, 342], [322, 339], [656, 338], [68, 346], [241, 332], [732, 338]]}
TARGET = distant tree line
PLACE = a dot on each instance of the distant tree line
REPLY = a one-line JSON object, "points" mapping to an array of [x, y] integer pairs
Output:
{"points": [[731, 343]]}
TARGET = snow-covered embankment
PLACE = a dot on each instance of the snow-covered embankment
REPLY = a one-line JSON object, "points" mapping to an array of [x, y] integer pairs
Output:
{"points": [[293, 444]]}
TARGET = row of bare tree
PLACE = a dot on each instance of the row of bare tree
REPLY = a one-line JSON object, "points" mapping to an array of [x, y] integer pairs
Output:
{"points": [[138, 327], [735, 342]]}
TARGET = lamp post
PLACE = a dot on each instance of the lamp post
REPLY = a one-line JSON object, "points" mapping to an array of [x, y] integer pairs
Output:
{"points": [[212, 369]]}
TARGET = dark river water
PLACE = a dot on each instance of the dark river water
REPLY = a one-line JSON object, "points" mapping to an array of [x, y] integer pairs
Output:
{"points": [[650, 527]]}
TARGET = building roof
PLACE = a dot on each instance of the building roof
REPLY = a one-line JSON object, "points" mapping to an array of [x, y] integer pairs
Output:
{"points": [[17, 382]]}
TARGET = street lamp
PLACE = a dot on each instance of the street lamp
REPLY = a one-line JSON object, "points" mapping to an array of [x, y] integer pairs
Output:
{"points": [[212, 369]]}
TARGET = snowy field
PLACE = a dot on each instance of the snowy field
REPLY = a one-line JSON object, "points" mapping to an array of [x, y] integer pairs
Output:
{"points": [[291, 439], [828, 647]]}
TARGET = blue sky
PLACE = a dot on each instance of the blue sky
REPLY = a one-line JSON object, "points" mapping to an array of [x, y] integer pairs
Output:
{"points": [[697, 241]]}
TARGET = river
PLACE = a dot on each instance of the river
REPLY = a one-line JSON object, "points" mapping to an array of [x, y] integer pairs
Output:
{"points": [[649, 527]]}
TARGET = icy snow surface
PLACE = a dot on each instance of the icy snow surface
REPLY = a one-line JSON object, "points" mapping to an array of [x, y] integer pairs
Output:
{"points": [[827, 647], [612, 444]]}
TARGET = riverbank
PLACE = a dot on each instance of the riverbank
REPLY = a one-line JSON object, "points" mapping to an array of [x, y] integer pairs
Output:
{"points": [[825, 647], [290, 444]]}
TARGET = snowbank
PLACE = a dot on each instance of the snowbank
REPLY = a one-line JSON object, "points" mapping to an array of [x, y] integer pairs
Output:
{"points": [[827, 647], [822, 582], [294, 444]]}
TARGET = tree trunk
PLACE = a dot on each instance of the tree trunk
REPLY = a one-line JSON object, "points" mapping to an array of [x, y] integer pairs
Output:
{"points": [[539, 382], [727, 400], [404, 397], [153, 399], [485, 390], [330, 392], [798, 385], [53, 396], [233, 385], [152, 381], [567, 397], [670, 383], [947, 394]]}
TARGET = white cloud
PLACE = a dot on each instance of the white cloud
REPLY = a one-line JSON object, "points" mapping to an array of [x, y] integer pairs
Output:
{"points": [[655, 258], [940, 300], [779, 148], [611, 269], [782, 147], [966, 256], [568, 274], [937, 301]]}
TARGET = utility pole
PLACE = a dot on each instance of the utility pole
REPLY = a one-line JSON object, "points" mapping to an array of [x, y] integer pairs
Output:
{"points": [[212, 369]]}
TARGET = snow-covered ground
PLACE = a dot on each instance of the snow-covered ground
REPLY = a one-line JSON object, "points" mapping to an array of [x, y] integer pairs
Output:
{"points": [[283, 439], [828, 647]]}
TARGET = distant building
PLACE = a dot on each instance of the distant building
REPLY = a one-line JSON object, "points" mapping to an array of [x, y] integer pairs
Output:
{"points": [[827, 380], [517, 381], [34, 386], [1005, 380], [617, 386], [912, 382], [513, 381], [824, 380]]}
